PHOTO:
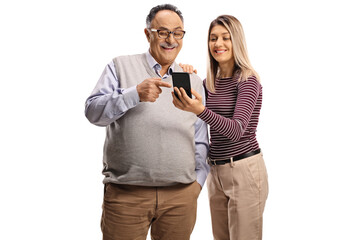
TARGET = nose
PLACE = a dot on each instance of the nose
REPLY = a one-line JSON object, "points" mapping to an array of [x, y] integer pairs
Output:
{"points": [[218, 42], [170, 38]]}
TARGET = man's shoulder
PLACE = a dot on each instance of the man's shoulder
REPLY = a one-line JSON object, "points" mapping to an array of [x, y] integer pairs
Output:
{"points": [[129, 61], [128, 57], [196, 77], [196, 82]]}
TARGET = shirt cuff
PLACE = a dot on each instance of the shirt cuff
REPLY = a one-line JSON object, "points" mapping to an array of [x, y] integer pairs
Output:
{"points": [[204, 115], [201, 175], [131, 97]]}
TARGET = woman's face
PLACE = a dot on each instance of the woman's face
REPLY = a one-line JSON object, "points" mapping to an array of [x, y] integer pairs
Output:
{"points": [[220, 45]]}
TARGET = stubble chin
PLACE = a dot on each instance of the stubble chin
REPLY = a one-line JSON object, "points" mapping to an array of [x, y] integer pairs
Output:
{"points": [[169, 58]]}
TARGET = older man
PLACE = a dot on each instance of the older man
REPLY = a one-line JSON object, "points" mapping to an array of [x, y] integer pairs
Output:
{"points": [[154, 154]]}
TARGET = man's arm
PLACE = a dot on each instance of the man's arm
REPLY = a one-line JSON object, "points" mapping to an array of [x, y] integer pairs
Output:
{"points": [[109, 101], [201, 149]]}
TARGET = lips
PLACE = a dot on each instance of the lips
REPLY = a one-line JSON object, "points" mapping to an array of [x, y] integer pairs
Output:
{"points": [[168, 49], [167, 46]]}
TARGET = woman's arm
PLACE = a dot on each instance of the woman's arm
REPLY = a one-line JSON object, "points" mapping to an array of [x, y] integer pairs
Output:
{"points": [[234, 128]]}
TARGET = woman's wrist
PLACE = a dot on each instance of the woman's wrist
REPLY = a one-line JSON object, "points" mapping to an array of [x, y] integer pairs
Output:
{"points": [[201, 110]]}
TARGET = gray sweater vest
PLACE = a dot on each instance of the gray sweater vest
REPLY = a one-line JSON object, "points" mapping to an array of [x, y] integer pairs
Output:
{"points": [[153, 143]]}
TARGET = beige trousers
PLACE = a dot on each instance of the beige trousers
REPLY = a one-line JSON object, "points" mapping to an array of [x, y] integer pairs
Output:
{"points": [[237, 195], [129, 212]]}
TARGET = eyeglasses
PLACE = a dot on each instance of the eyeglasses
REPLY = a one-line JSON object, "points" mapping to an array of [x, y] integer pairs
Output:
{"points": [[164, 34]]}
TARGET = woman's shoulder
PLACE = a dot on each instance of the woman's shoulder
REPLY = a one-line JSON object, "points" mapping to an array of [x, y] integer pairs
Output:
{"points": [[250, 83], [250, 80]]}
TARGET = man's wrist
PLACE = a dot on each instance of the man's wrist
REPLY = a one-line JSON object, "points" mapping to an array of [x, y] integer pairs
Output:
{"points": [[131, 95]]}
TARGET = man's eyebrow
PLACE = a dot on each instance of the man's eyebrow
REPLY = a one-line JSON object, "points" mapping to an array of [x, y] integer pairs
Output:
{"points": [[164, 28]]}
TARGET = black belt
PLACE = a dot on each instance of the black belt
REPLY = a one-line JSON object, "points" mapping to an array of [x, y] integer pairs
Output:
{"points": [[236, 158]]}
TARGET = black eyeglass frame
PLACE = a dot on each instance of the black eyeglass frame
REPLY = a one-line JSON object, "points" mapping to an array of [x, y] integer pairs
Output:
{"points": [[168, 33]]}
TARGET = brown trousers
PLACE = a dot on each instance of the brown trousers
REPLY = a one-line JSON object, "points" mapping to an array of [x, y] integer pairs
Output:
{"points": [[237, 194], [129, 211]]}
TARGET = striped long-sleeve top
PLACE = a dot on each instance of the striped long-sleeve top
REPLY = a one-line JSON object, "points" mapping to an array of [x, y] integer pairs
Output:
{"points": [[232, 113]]}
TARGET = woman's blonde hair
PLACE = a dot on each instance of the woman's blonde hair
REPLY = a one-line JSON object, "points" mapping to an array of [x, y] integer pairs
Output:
{"points": [[242, 68]]}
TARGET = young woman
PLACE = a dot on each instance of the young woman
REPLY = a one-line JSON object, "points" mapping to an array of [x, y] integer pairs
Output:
{"points": [[237, 183]]}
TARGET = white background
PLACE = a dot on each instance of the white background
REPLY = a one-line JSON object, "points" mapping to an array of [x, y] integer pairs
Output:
{"points": [[53, 52]]}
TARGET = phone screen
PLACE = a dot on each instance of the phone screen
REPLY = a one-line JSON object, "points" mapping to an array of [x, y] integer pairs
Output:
{"points": [[182, 79]]}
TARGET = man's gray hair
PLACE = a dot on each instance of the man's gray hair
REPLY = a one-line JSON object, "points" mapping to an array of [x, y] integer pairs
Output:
{"points": [[158, 8]]}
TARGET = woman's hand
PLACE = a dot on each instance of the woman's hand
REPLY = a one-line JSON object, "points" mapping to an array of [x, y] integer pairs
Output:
{"points": [[187, 104], [188, 68]]}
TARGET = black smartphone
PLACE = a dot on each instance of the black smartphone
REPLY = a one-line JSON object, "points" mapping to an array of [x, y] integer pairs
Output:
{"points": [[182, 79]]}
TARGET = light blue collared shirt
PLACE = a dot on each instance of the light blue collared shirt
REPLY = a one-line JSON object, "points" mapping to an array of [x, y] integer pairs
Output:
{"points": [[108, 93]]}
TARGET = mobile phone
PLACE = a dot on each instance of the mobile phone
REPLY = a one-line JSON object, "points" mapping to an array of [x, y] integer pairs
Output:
{"points": [[182, 79]]}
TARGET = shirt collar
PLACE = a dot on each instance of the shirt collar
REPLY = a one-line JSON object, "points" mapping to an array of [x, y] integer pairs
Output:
{"points": [[157, 67]]}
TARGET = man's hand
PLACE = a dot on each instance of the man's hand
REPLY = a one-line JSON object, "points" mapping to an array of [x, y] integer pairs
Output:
{"points": [[149, 90]]}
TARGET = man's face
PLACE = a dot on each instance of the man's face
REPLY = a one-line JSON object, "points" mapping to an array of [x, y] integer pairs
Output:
{"points": [[165, 51]]}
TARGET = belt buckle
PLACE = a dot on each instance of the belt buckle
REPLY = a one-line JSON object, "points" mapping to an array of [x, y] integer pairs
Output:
{"points": [[212, 162]]}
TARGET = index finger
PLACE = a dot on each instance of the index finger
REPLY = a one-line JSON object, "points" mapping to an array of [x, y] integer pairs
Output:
{"points": [[160, 83], [196, 94]]}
